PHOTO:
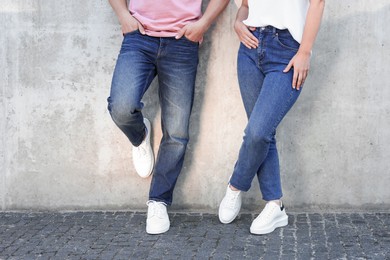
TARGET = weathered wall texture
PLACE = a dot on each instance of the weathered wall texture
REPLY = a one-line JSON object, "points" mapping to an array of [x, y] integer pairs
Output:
{"points": [[60, 149]]}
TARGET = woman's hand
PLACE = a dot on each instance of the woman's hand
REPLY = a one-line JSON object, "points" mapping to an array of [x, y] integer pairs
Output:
{"points": [[130, 24], [301, 61], [245, 35], [301, 64]]}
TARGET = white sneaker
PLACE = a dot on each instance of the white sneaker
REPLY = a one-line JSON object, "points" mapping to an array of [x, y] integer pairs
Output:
{"points": [[143, 158], [230, 206], [157, 221], [272, 216]]}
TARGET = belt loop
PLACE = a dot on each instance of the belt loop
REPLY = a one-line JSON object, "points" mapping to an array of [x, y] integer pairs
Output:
{"points": [[274, 30]]}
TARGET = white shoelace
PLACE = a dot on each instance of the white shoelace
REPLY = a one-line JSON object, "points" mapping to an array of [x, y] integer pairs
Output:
{"points": [[156, 208], [232, 199], [141, 150], [268, 210]]}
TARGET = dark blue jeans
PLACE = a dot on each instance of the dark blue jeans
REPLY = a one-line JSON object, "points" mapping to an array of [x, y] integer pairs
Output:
{"points": [[175, 62], [268, 95]]}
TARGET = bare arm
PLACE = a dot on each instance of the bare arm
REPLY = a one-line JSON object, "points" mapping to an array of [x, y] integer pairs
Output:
{"points": [[301, 61], [194, 31], [243, 33], [127, 21]]}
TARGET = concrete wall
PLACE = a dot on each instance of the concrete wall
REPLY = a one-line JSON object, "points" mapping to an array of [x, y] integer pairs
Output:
{"points": [[60, 149]]}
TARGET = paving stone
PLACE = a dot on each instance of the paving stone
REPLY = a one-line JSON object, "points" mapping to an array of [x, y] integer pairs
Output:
{"points": [[121, 235]]}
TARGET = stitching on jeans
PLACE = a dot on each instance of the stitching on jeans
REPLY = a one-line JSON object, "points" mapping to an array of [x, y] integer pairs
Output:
{"points": [[284, 45]]}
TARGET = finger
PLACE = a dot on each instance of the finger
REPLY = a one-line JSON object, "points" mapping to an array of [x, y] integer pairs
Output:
{"points": [[191, 36], [253, 38], [304, 78], [252, 28], [300, 80], [141, 29], [305, 75], [248, 43], [295, 79], [181, 33], [289, 66], [255, 42], [253, 45], [251, 42]]}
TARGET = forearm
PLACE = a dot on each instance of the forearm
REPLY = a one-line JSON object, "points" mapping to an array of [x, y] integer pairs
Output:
{"points": [[120, 8], [243, 11], [214, 8], [312, 26]]}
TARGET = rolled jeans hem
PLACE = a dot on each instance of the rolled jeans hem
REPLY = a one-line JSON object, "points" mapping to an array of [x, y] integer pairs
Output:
{"points": [[139, 142], [272, 198], [161, 200], [239, 187]]}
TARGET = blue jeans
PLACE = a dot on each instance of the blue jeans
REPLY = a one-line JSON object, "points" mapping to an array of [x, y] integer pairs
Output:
{"points": [[175, 62], [268, 95]]}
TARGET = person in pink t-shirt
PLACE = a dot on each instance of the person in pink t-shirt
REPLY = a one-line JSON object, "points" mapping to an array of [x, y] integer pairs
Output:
{"points": [[160, 38]]}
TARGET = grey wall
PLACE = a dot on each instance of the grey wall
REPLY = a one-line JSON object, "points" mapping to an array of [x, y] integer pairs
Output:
{"points": [[60, 149]]}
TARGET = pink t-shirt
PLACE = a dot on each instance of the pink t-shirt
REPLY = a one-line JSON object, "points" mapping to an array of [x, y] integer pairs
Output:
{"points": [[164, 18]]}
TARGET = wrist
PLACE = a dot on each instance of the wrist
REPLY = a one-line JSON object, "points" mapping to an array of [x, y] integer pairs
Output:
{"points": [[124, 16], [204, 23], [304, 51], [238, 23]]}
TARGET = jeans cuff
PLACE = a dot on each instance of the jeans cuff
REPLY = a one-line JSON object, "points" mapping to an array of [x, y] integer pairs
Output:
{"points": [[269, 198], [168, 203], [139, 142], [239, 187]]}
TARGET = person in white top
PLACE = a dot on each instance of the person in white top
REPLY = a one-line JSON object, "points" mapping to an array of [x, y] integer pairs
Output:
{"points": [[273, 62]]}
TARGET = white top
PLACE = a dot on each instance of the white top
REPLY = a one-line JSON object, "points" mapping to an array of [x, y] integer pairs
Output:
{"points": [[281, 14]]}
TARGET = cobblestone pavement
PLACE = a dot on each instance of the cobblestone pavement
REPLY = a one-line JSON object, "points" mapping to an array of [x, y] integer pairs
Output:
{"points": [[121, 235]]}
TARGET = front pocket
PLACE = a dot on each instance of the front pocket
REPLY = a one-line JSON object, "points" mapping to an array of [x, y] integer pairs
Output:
{"points": [[130, 33], [184, 37], [287, 41]]}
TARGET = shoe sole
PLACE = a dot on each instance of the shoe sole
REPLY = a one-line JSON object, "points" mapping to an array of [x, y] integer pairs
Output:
{"points": [[157, 232], [229, 221], [282, 222]]}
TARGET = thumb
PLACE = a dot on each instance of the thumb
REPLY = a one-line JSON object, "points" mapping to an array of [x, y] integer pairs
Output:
{"points": [[289, 66], [181, 33], [141, 29], [252, 28]]}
